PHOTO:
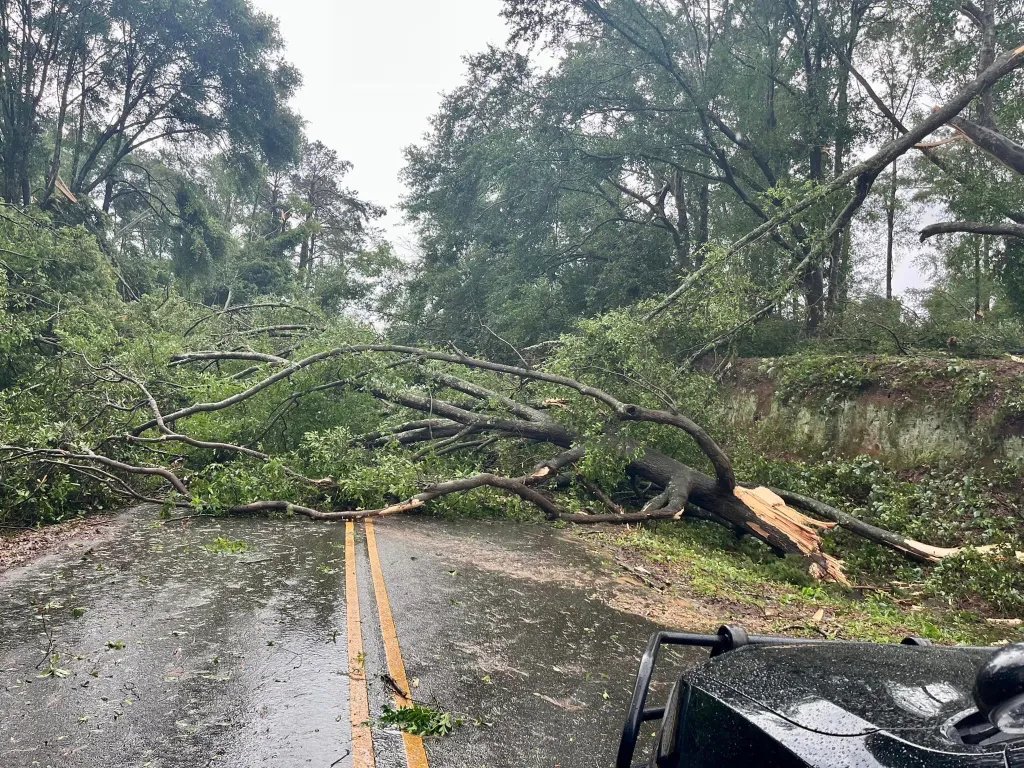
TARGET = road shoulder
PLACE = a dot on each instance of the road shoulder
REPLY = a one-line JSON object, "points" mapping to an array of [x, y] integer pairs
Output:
{"points": [[21, 548]]}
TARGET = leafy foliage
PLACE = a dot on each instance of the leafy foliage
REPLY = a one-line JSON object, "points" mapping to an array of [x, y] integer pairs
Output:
{"points": [[998, 579], [107, 78], [948, 504], [223, 546], [419, 720]]}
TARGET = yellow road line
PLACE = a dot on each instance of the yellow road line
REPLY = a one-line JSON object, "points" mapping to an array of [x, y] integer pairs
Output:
{"points": [[359, 706], [415, 754]]}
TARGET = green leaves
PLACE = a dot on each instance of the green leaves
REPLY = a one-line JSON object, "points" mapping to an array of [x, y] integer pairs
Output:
{"points": [[225, 546], [997, 577], [219, 485], [419, 720], [53, 668], [605, 464]]}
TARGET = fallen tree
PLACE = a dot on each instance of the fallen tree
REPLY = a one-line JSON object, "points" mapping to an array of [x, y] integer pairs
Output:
{"points": [[448, 403], [449, 413]]}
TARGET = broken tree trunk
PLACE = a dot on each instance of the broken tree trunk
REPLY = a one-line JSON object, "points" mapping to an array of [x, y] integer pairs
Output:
{"points": [[686, 490], [916, 550], [1002, 148]]}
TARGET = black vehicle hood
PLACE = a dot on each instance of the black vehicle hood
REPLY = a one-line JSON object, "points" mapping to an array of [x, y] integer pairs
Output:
{"points": [[858, 697]]}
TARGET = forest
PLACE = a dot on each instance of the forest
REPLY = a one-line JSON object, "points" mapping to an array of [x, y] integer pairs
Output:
{"points": [[616, 206]]}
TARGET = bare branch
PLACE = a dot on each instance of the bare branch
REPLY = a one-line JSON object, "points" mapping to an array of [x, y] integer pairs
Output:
{"points": [[245, 307], [623, 411], [173, 480], [521, 486], [260, 357], [972, 227]]}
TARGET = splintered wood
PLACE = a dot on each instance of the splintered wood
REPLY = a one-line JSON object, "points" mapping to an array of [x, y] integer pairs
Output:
{"points": [[803, 531]]}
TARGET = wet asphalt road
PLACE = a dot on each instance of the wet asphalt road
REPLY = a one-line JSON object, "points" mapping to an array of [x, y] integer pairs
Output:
{"points": [[165, 654]]}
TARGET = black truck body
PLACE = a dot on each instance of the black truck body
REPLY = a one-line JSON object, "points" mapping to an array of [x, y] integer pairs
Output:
{"points": [[794, 703]]}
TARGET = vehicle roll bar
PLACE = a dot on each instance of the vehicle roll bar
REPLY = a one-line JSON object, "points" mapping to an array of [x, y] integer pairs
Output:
{"points": [[728, 638]]}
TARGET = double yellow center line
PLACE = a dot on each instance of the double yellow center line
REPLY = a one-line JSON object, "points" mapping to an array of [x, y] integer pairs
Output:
{"points": [[362, 739], [359, 705]]}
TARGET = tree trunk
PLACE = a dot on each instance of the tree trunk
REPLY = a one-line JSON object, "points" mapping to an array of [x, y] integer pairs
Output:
{"points": [[813, 283], [890, 226], [977, 279], [17, 188], [76, 154], [703, 214], [837, 271], [986, 269], [986, 105], [11, 189], [682, 223], [108, 193], [304, 260]]}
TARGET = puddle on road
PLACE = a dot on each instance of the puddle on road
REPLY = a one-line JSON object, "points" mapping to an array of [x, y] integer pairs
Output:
{"points": [[165, 653]]}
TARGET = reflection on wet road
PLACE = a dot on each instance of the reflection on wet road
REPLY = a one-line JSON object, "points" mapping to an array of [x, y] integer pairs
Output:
{"points": [[164, 652], [182, 656]]}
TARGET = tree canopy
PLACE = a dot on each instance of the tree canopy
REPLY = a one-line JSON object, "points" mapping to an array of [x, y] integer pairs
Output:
{"points": [[612, 148]]}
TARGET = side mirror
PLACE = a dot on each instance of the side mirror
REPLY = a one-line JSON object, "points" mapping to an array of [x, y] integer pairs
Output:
{"points": [[999, 689]]}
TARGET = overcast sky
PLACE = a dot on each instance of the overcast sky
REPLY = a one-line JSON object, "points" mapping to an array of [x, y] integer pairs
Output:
{"points": [[373, 73]]}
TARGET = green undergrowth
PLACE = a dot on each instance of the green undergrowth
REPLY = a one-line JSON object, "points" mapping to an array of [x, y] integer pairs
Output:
{"points": [[740, 581], [971, 597], [945, 506]]}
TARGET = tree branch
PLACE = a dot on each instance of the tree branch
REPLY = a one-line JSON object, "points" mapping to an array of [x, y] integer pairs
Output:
{"points": [[972, 227], [1003, 149], [864, 172]]}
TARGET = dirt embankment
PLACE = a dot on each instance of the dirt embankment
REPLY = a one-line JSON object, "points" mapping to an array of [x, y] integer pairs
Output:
{"points": [[908, 411], [979, 387]]}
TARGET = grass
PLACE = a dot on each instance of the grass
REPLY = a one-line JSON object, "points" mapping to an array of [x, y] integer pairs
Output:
{"points": [[707, 564]]}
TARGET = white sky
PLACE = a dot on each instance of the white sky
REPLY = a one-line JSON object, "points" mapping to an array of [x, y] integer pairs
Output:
{"points": [[373, 74]]}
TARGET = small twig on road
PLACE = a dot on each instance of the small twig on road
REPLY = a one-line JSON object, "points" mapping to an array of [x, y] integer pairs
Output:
{"points": [[644, 576], [805, 628], [390, 682], [49, 644], [186, 517]]}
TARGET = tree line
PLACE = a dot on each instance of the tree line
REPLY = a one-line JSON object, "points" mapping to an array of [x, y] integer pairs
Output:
{"points": [[166, 130], [614, 147]]}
